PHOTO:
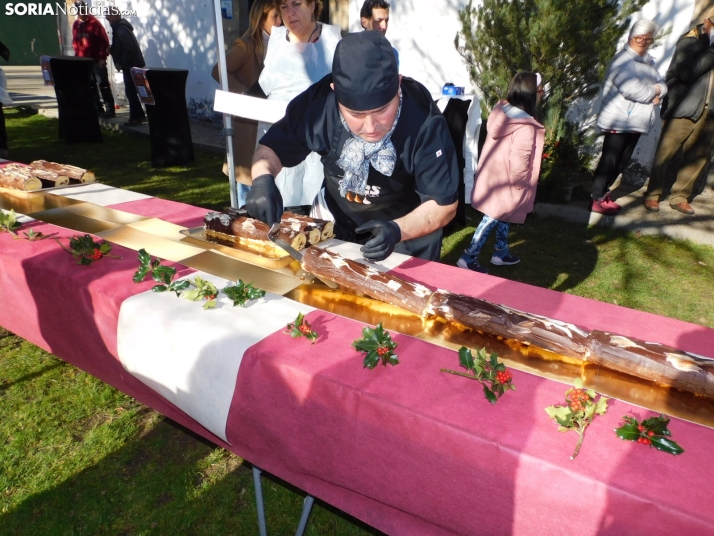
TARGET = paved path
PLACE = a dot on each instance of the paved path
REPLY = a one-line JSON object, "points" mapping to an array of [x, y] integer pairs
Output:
{"points": [[26, 86]]}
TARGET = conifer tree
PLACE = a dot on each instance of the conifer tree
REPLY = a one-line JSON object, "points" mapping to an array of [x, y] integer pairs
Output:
{"points": [[570, 42]]}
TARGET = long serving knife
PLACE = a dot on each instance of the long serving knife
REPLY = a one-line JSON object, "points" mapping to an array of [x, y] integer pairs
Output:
{"points": [[295, 254]]}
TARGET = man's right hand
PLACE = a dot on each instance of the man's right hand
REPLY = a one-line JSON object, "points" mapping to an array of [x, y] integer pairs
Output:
{"points": [[264, 201]]}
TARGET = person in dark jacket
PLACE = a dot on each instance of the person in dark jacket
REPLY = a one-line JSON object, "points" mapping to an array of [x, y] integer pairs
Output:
{"points": [[688, 119], [126, 54]]}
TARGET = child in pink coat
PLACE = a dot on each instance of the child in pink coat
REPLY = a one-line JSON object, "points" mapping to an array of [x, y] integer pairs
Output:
{"points": [[508, 170]]}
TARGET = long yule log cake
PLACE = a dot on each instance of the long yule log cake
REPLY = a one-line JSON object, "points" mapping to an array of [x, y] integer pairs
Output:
{"points": [[19, 177], [250, 232], [651, 361], [64, 170]]}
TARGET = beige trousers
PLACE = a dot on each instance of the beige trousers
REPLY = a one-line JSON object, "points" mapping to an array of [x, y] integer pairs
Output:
{"points": [[695, 138]]}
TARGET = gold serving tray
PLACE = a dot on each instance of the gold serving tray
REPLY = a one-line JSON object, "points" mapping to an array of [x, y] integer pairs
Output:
{"points": [[239, 251]]}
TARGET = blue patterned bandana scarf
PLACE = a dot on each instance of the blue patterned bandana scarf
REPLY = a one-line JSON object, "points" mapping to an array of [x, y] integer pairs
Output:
{"points": [[358, 154]]}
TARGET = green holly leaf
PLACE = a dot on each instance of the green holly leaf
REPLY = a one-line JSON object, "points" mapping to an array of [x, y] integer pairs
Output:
{"points": [[666, 445], [194, 294], [8, 221], [628, 431], [163, 274], [559, 413], [105, 248], [140, 274], [371, 360], [210, 304], [493, 361], [658, 425], [392, 360], [242, 293], [601, 405], [490, 395], [179, 286], [578, 383], [159, 288], [466, 360]]}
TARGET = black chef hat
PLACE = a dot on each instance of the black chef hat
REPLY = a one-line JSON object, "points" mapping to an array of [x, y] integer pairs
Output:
{"points": [[364, 71]]}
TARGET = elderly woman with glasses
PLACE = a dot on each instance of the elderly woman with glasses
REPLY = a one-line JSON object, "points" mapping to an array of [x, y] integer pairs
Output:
{"points": [[632, 89]]}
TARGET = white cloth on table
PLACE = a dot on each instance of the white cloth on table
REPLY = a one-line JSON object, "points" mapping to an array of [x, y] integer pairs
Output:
{"points": [[190, 356], [290, 68]]}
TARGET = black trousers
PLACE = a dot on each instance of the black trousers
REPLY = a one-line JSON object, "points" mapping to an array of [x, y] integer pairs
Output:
{"points": [[616, 153], [100, 84], [3, 132]]}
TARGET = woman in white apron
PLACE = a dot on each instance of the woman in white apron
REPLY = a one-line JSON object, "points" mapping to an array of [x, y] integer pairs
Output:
{"points": [[299, 54]]}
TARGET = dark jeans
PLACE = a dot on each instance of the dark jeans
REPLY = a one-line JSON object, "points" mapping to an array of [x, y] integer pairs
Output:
{"points": [[100, 84], [135, 109], [3, 132], [616, 153]]}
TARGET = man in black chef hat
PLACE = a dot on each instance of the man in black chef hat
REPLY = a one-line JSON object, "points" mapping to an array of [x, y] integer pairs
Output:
{"points": [[391, 177]]}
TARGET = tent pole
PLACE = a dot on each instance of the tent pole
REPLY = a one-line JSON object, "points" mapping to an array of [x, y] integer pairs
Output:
{"points": [[227, 119]]}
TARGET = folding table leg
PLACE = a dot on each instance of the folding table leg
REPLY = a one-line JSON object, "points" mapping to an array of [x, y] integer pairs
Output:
{"points": [[306, 508], [259, 501]]}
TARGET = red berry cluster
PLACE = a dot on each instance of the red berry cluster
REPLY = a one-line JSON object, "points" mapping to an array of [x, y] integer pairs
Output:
{"points": [[95, 255], [504, 377], [642, 439], [304, 329], [382, 350], [578, 398], [211, 297]]}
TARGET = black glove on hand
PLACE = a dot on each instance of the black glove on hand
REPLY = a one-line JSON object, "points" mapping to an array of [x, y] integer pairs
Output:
{"points": [[385, 235], [264, 201]]}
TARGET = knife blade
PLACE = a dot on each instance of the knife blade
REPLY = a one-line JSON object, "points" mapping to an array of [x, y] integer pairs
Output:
{"points": [[295, 254]]}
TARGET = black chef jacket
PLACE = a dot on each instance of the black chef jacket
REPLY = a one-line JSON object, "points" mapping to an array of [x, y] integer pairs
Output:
{"points": [[426, 166]]}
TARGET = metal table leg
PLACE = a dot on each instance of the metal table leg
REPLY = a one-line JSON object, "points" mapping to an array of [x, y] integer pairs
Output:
{"points": [[306, 509], [259, 501]]}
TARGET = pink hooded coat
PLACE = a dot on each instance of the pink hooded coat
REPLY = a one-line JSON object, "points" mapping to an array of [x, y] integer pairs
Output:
{"points": [[509, 166]]}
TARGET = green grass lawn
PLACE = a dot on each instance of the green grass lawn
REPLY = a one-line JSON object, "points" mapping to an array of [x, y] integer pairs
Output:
{"points": [[79, 457]]}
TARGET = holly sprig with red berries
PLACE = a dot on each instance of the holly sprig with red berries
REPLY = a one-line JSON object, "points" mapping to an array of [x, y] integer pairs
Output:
{"points": [[652, 432], [493, 375], [378, 345], [302, 328], [204, 290], [581, 407], [86, 250]]}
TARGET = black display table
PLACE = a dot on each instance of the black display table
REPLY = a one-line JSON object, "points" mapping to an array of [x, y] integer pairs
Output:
{"points": [[170, 132], [78, 120]]}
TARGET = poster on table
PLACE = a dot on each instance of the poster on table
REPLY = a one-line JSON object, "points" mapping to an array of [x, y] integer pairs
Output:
{"points": [[142, 85]]}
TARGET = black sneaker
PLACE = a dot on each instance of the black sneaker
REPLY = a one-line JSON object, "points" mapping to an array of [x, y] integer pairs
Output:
{"points": [[506, 260], [471, 264]]}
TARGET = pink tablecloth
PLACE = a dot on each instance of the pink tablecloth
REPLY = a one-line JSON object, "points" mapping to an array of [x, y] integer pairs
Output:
{"points": [[407, 449]]}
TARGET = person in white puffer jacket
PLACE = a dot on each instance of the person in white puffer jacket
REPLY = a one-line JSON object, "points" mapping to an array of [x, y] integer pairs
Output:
{"points": [[632, 89]]}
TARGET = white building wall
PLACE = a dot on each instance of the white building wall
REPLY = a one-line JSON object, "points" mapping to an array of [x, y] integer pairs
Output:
{"points": [[180, 35], [423, 32]]}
